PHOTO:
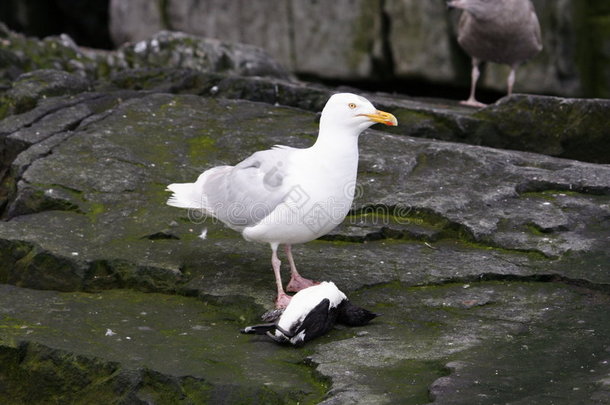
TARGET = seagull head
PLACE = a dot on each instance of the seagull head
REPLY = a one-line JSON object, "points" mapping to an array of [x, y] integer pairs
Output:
{"points": [[354, 113]]}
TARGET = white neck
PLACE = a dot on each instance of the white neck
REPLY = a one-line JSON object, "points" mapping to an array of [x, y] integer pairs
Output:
{"points": [[337, 140], [336, 153]]}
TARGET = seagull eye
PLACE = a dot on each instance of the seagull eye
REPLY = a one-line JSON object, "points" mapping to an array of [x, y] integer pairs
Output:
{"points": [[351, 105]]}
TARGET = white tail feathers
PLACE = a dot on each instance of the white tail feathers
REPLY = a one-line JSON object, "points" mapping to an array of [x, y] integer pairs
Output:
{"points": [[186, 195], [193, 195]]}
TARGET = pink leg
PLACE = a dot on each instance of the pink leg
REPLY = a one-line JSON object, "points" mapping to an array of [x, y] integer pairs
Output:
{"points": [[297, 283], [282, 299], [472, 102]]}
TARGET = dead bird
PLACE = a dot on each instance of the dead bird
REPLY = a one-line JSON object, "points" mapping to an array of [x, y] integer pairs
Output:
{"points": [[311, 313], [499, 31]]}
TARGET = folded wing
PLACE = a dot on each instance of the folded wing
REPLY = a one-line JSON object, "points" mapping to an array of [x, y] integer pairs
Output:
{"points": [[241, 195]]}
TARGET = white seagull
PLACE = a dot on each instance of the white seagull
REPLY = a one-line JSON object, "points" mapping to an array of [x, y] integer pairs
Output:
{"points": [[288, 195]]}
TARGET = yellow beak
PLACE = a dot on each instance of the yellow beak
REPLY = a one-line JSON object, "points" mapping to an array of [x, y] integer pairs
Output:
{"points": [[382, 117]]}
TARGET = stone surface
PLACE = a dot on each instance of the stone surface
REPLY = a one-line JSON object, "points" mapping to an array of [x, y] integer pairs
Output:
{"points": [[559, 126], [176, 62], [497, 342], [32, 86], [291, 31], [489, 266], [125, 347], [421, 40], [461, 263], [386, 41], [346, 48], [163, 50], [190, 52], [235, 21], [122, 29]]}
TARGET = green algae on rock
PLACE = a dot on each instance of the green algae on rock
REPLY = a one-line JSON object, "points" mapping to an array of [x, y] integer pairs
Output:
{"points": [[180, 349]]}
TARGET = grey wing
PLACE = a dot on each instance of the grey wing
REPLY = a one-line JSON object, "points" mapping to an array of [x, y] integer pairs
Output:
{"points": [[251, 190], [536, 27], [462, 29]]}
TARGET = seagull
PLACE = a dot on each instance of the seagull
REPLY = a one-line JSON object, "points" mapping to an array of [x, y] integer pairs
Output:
{"points": [[288, 195], [312, 312], [499, 31]]}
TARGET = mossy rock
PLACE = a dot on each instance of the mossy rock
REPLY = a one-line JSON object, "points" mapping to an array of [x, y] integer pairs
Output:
{"points": [[570, 128]]}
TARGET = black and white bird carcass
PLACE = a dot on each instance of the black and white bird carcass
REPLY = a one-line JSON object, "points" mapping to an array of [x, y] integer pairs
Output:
{"points": [[311, 313]]}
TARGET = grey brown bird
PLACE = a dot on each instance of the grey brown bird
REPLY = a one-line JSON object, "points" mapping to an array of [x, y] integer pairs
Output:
{"points": [[499, 31]]}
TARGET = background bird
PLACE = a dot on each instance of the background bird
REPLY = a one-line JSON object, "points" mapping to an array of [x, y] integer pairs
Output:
{"points": [[500, 31], [288, 195], [311, 313]]}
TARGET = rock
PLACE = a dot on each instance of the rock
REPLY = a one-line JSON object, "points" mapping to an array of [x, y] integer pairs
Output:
{"points": [[195, 16], [515, 354], [303, 46], [32, 86], [388, 42], [488, 265], [499, 199], [37, 131], [94, 367], [164, 49], [421, 40], [356, 46], [206, 55], [190, 349], [522, 207], [201, 66], [570, 128], [123, 29], [23, 54]]}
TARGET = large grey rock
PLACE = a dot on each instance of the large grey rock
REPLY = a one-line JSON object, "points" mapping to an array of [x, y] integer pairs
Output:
{"points": [[294, 32], [32, 86], [460, 247], [221, 19], [127, 348], [190, 52], [346, 47], [495, 342], [20, 54], [573, 128], [175, 62], [162, 50], [122, 26], [488, 265], [393, 39], [421, 40]]}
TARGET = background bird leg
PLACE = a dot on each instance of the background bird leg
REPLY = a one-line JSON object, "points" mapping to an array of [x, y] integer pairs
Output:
{"points": [[473, 85], [511, 80]]}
